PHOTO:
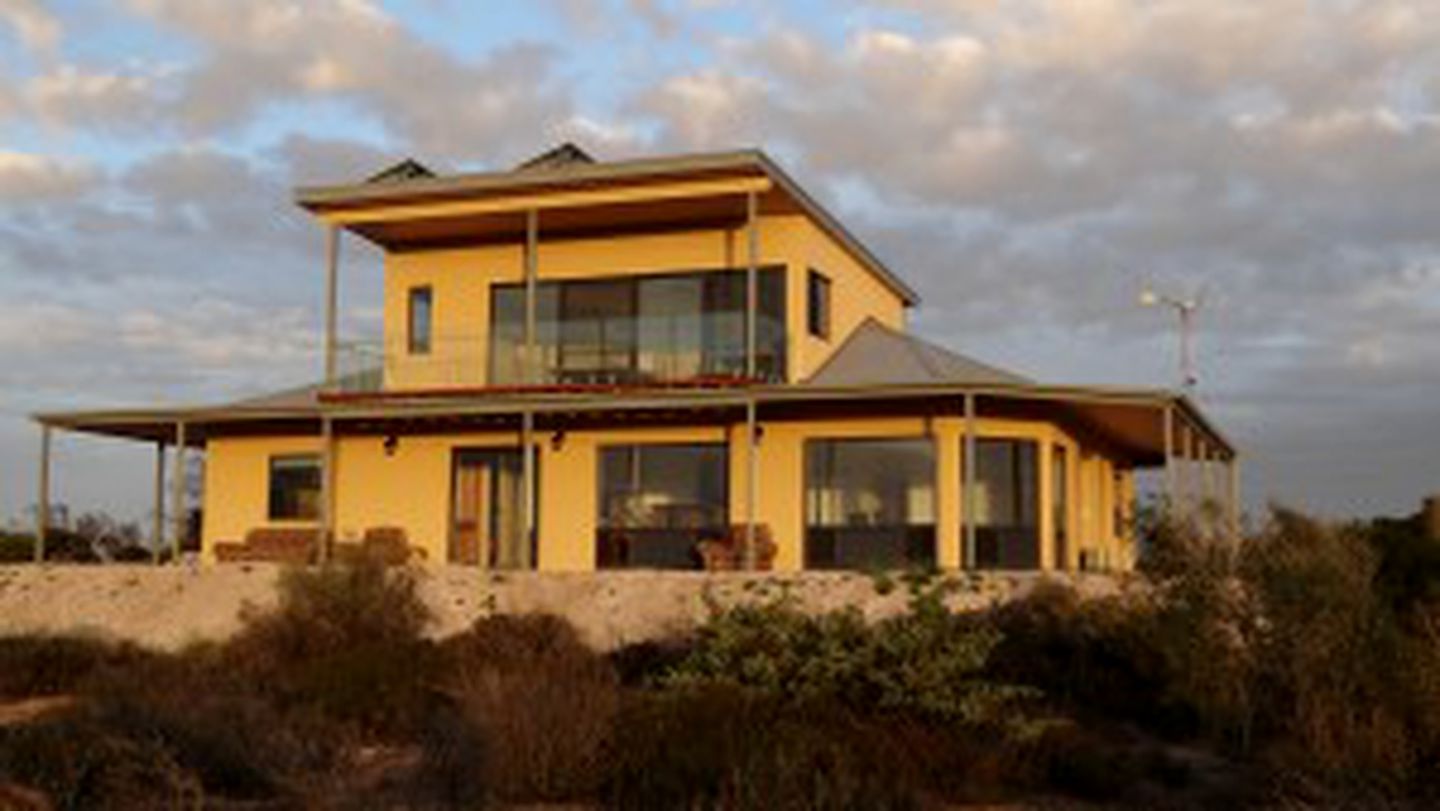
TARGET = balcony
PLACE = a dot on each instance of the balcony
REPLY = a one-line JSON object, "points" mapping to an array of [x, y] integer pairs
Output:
{"points": [[472, 362]]}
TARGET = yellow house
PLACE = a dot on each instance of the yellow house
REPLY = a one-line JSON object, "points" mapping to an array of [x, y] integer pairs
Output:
{"points": [[673, 362]]}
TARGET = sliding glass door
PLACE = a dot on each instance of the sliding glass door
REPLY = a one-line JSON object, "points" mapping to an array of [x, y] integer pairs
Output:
{"points": [[639, 329]]}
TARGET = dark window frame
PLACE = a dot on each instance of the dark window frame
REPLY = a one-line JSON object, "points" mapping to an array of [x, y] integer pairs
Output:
{"points": [[774, 275], [1011, 541], [415, 343], [818, 298], [618, 545], [918, 540], [282, 507]]}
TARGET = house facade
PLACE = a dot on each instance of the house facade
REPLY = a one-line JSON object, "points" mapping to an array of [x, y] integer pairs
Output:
{"points": [[674, 363]]}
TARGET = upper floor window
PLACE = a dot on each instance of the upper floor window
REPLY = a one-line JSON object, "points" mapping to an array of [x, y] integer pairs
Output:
{"points": [[635, 329], [817, 304], [419, 318], [295, 488]]}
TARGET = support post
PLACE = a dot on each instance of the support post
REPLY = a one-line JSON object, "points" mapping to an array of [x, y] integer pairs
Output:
{"points": [[332, 303], [42, 497], [527, 458], [968, 485], [1171, 493], [1232, 502], [752, 483], [532, 273], [1187, 471], [752, 282], [177, 494], [325, 542], [157, 530]]}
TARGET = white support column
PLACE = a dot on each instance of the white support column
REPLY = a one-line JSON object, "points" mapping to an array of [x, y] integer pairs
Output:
{"points": [[157, 531], [752, 282], [180, 513], [42, 496], [325, 543], [1187, 478], [968, 483], [752, 483], [332, 304]]}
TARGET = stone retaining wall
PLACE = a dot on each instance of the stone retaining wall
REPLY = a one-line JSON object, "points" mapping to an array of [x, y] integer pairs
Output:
{"points": [[167, 607]]}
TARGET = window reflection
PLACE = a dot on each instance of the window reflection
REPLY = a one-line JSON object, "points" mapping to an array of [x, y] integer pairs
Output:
{"points": [[869, 503], [658, 502], [639, 329], [1007, 531]]}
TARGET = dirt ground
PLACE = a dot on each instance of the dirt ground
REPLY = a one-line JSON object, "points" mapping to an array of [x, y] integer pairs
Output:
{"points": [[169, 606]]}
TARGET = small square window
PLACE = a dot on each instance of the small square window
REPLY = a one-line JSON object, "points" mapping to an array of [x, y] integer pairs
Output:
{"points": [[295, 488], [418, 330], [817, 296]]}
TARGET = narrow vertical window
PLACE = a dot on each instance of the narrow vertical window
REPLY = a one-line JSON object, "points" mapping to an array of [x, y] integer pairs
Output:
{"points": [[421, 300], [817, 294]]}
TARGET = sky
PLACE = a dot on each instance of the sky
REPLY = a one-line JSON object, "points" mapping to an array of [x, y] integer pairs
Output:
{"points": [[1029, 166]]}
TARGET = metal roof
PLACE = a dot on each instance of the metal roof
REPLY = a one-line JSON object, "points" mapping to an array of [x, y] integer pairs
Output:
{"points": [[571, 173], [875, 354]]}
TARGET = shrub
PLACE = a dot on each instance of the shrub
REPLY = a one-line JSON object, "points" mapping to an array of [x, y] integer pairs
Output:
{"points": [[215, 725], [79, 764], [723, 746], [346, 640], [42, 664], [546, 701], [926, 662]]}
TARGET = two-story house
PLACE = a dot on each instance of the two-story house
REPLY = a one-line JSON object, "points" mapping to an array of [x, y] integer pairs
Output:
{"points": [[611, 364]]}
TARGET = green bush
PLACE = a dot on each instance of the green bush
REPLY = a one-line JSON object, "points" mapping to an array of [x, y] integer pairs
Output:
{"points": [[926, 662]]}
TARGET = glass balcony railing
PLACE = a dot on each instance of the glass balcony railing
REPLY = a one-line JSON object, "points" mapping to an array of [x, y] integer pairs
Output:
{"points": [[471, 362]]}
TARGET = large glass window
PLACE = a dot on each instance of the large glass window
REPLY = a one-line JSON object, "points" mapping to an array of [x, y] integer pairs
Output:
{"points": [[295, 488], [658, 502], [1007, 532], [869, 503], [640, 328]]}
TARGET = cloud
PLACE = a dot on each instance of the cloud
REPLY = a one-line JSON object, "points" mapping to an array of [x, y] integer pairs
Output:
{"points": [[28, 178], [38, 29], [264, 53]]}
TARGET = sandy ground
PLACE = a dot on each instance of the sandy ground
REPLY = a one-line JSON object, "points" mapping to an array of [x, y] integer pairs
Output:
{"points": [[168, 607]]}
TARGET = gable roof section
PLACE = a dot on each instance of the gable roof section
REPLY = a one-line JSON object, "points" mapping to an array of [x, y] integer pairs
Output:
{"points": [[569, 167], [566, 154], [875, 354], [407, 169]]}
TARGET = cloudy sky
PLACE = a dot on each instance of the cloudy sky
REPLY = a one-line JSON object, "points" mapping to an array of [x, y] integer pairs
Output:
{"points": [[1029, 165]]}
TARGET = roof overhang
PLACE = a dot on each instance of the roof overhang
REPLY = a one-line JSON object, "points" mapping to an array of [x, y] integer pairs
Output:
{"points": [[702, 191], [1131, 421]]}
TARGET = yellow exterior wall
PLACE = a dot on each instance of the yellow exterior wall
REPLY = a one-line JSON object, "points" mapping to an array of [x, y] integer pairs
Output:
{"points": [[856, 294], [411, 487], [461, 279]]}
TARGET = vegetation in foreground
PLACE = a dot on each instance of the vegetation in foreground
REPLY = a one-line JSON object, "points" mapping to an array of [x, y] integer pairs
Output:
{"points": [[1301, 668]]}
